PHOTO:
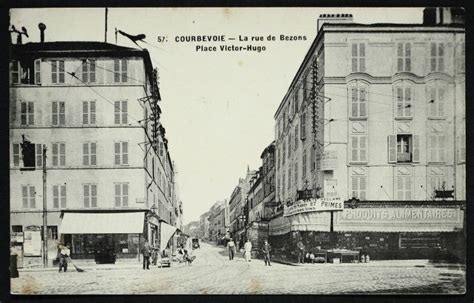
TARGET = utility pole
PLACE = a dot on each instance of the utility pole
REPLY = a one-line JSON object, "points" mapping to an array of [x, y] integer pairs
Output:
{"points": [[45, 212]]}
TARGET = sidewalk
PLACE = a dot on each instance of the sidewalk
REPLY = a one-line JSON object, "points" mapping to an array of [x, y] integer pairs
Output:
{"points": [[90, 265], [377, 263]]}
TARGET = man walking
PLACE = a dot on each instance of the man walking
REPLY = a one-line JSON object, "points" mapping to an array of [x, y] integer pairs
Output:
{"points": [[266, 253], [300, 246], [248, 250], [64, 253], [231, 248], [146, 255]]}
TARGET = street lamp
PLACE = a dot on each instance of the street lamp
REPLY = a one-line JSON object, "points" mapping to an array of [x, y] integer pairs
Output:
{"points": [[153, 208]]}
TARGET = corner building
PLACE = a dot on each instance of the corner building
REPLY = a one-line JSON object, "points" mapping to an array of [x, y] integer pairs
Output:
{"points": [[376, 112], [110, 179]]}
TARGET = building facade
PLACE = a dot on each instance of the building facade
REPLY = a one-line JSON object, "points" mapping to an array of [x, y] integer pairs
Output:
{"points": [[377, 113], [93, 108]]}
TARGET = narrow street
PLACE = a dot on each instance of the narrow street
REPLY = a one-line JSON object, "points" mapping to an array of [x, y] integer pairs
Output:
{"points": [[213, 273]]}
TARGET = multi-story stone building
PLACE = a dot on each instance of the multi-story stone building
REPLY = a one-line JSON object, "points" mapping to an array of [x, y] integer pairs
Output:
{"points": [[204, 225], [93, 109], [376, 112]]}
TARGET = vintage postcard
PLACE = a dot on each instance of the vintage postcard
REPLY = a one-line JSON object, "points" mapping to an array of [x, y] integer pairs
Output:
{"points": [[237, 150]]}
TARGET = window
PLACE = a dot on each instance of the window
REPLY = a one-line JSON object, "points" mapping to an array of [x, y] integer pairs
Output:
{"points": [[89, 154], [88, 71], [38, 71], [283, 157], [404, 104], [39, 155], [289, 177], [90, 195], [296, 100], [59, 154], [358, 57], [436, 180], [403, 148], [120, 70], [437, 57], [57, 71], [52, 232], [59, 196], [27, 113], [28, 194], [359, 187], [403, 57], [404, 187], [121, 153], [17, 228], [358, 148], [88, 112], [15, 72], [16, 154], [437, 143], [359, 102], [303, 126], [436, 102], [59, 113], [120, 112], [121, 194]]}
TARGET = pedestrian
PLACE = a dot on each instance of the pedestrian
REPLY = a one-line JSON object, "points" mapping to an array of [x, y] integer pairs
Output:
{"points": [[266, 253], [146, 255], [301, 248], [248, 250], [64, 253], [231, 249]]}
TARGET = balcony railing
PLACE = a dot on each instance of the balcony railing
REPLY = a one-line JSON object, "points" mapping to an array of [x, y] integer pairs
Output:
{"points": [[403, 157]]}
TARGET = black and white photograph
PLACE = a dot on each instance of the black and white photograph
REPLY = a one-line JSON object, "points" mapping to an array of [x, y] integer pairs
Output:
{"points": [[237, 151]]}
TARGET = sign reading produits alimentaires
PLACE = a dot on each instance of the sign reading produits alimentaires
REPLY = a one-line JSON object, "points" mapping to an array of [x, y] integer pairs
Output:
{"points": [[313, 205]]}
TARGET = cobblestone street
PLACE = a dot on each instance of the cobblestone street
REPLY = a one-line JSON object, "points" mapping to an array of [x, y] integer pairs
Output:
{"points": [[213, 273]]}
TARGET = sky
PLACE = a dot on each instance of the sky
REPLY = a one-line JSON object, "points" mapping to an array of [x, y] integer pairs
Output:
{"points": [[217, 107]]}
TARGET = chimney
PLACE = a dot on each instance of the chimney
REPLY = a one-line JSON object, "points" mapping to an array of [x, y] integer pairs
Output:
{"points": [[334, 18], [443, 15], [42, 28]]}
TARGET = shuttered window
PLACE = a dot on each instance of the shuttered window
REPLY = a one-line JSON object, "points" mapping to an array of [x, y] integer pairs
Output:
{"points": [[59, 196], [358, 102], [120, 112], [27, 113], [88, 112], [121, 153], [39, 155], [437, 147], [359, 187], [437, 57], [358, 57], [358, 148], [88, 71], [16, 154], [90, 195], [15, 72], [404, 101], [58, 113], [120, 70], [28, 194], [57, 71], [89, 154], [403, 148], [404, 187], [38, 71], [121, 194], [403, 57], [436, 102], [58, 154]]}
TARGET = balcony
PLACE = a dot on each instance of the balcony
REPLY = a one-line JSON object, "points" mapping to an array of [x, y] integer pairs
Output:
{"points": [[403, 157]]}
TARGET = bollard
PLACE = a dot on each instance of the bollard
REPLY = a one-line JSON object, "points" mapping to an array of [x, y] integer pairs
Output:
{"points": [[13, 267]]}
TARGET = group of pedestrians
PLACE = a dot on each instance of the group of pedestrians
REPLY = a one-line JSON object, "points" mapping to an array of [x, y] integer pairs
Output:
{"points": [[248, 251]]}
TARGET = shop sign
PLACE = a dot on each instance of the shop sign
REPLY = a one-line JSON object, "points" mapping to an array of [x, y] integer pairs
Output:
{"points": [[313, 205], [329, 160], [400, 219], [32, 243]]}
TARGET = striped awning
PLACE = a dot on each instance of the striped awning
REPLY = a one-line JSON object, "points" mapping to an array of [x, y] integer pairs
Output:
{"points": [[102, 223]]}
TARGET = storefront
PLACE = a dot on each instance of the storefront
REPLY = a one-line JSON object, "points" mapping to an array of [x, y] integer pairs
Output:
{"points": [[103, 236], [382, 229]]}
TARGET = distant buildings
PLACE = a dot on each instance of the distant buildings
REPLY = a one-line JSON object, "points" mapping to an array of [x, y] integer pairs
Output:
{"points": [[93, 108]]}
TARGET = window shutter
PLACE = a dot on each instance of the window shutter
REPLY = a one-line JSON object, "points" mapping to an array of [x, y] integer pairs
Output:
{"points": [[55, 196], [116, 70], [62, 154], [62, 113], [93, 153], [125, 153], [85, 152], [85, 113], [86, 196], [355, 187], [362, 148], [354, 102], [92, 112], [125, 195], [117, 112], [441, 148], [362, 102], [124, 112], [416, 148], [117, 195], [38, 71], [408, 185], [392, 148], [55, 113], [354, 148], [362, 188], [63, 196], [84, 71], [61, 71], [408, 105], [117, 153]]}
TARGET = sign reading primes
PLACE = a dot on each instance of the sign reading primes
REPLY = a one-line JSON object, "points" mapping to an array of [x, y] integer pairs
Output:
{"points": [[312, 205]]}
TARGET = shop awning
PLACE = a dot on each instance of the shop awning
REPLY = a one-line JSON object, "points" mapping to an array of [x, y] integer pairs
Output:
{"points": [[167, 231], [102, 223]]}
